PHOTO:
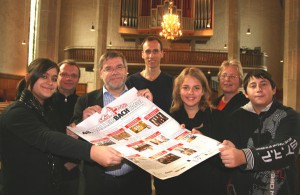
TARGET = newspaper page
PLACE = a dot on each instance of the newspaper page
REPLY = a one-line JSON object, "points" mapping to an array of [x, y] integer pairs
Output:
{"points": [[146, 136]]}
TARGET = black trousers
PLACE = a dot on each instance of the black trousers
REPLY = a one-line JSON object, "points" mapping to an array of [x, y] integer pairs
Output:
{"points": [[203, 179], [137, 182]]}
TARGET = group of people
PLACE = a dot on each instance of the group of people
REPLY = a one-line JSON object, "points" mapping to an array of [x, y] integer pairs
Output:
{"points": [[259, 135]]}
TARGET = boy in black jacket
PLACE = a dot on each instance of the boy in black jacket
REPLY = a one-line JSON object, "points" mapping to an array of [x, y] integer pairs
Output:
{"points": [[264, 142]]}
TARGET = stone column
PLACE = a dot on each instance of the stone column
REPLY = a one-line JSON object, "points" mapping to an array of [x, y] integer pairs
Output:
{"points": [[233, 29], [291, 68], [232, 7], [47, 30], [101, 36]]}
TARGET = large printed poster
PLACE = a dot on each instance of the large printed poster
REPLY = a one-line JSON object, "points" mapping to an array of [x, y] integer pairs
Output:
{"points": [[146, 136]]}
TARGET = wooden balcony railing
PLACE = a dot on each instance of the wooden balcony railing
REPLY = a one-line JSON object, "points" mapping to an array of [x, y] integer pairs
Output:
{"points": [[199, 58], [80, 54]]}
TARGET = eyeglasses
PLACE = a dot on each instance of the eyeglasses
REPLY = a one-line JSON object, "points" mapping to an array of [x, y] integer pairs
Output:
{"points": [[66, 75], [110, 69], [47, 77], [154, 51], [224, 76]]}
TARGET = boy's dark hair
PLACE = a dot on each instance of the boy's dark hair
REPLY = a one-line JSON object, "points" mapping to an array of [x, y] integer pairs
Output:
{"points": [[258, 73]]}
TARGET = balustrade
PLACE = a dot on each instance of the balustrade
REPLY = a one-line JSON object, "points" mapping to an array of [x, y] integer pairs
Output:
{"points": [[199, 58]]}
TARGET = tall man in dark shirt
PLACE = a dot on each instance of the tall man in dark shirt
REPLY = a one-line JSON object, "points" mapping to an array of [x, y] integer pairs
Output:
{"points": [[159, 83]]}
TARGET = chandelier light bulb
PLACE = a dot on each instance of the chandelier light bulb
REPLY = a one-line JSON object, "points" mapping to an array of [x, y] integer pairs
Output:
{"points": [[170, 25]]}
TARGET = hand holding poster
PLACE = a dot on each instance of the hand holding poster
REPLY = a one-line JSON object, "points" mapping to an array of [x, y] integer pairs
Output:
{"points": [[147, 136]]}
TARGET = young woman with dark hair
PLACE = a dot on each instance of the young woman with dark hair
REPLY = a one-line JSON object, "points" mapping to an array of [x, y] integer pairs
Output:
{"points": [[28, 143]]}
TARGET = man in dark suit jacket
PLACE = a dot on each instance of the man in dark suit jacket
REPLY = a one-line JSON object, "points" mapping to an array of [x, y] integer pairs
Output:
{"points": [[126, 178]]}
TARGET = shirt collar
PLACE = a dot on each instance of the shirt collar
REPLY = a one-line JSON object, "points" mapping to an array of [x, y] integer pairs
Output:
{"points": [[105, 91], [249, 107]]}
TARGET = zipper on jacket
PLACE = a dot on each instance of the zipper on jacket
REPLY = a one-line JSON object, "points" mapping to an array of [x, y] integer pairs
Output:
{"points": [[260, 117]]}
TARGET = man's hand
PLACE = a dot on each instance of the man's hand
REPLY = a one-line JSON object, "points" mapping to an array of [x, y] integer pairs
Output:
{"points": [[90, 111], [146, 93], [231, 157], [105, 155], [228, 143], [196, 131]]}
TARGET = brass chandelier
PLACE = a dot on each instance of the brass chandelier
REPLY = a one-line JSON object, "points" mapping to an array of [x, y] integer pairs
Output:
{"points": [[170, 25]]}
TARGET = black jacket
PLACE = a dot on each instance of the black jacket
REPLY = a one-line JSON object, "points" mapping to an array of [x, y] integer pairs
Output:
{"points": [[86, 100], [63, 108], [207, 177], [235, 103], [27, 145], [270, 142]]}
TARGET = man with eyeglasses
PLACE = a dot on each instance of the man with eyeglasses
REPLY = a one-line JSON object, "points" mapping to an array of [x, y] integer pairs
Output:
{"points": [[159, 83], [125, 178], [63, 102], [65, 97]]}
